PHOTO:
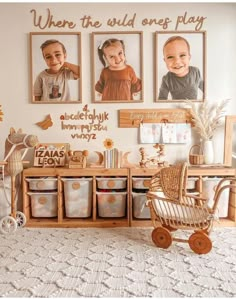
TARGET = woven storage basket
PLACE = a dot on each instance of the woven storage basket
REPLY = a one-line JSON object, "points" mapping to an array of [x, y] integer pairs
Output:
{"points": [[196, 159]]}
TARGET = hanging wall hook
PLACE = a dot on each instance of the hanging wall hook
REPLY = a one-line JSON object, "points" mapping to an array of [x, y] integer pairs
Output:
{"points": [[137, 122], [164, 120]]}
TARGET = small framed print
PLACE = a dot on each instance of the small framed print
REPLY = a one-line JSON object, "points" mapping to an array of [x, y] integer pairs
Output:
{"points": [[117, 63], [55, 67], [180, 66]]}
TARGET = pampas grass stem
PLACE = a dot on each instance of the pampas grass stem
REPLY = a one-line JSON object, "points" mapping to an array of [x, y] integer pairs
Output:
{"points": [[206, 118]]}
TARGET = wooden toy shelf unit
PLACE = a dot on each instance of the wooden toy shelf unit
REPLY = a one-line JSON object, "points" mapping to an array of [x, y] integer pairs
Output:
{"points": [[92, 197]]}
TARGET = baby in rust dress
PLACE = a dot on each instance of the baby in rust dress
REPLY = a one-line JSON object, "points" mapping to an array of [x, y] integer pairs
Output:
{"points": [[118, 81]]}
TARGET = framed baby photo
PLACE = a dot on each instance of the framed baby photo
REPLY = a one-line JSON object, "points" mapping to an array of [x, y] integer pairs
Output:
{"points": [[180, 66], [117, 67], [55, 62]]}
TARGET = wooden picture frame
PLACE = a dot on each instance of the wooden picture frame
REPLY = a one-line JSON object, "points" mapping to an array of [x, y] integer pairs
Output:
{"points": [[127, 67], [229, 145], [178, 75], [48, 84]]}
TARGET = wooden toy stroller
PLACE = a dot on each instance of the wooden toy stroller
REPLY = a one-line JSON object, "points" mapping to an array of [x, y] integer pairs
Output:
{"points": [[172, 208], [15, 142]]}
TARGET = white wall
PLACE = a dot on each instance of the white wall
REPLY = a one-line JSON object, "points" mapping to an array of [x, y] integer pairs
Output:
{"points": [[16, 21]]}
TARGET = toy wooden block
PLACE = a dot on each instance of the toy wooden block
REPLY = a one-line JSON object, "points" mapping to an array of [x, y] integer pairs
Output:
{"points": [[153, 161], [77, 159]]}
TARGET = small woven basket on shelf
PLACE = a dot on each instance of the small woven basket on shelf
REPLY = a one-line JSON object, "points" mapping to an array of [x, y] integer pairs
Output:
{"points": [[196, 159]]}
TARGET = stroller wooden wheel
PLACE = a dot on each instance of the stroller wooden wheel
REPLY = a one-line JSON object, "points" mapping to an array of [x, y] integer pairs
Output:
{"points": [[161, 237], [20, 219], [200, 243], [8, 225]]}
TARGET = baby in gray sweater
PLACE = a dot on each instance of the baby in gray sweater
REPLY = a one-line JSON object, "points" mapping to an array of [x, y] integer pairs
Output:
{"points": [[182, 81]]}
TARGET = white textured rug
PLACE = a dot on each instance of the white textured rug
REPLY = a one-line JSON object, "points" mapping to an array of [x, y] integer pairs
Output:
{"points": [[113, 262]]}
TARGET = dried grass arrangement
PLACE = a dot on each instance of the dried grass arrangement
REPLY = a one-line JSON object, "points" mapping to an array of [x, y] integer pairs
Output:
{"points": [[206, 118]]}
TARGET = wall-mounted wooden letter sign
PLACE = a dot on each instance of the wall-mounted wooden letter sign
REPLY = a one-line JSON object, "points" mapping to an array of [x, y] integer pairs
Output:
{"points": [[131, 118]]}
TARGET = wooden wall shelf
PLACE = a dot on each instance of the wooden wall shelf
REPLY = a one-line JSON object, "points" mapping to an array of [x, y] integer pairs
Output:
{"points": [[131, 118]]}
